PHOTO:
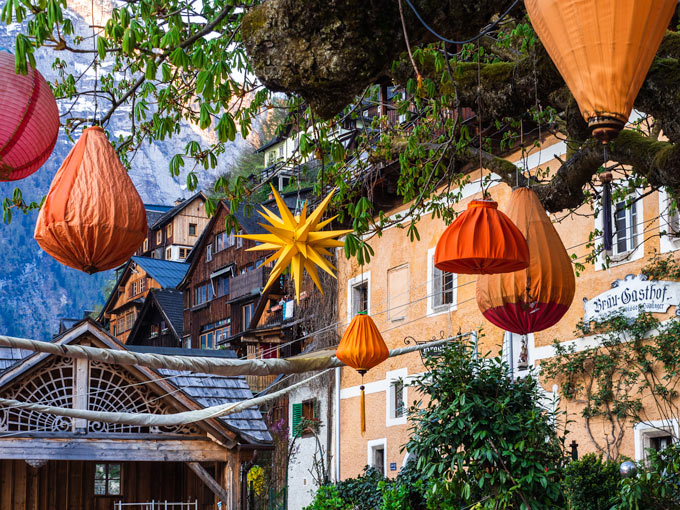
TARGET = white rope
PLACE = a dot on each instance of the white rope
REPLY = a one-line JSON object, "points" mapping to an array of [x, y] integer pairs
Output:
{"points": [[182, 418], [203, 365], [150, 419]]}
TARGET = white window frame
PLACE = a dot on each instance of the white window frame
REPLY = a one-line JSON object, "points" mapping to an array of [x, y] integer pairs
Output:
{"points": [[391, 377], [637, 253], [354, 282], [512, 347], [433, 310], [375, 444], [648, 429], [667, 242]]}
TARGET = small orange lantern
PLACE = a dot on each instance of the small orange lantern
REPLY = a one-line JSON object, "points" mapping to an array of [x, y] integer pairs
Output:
{"points": [[482, 240], [603, 49], [535, 298], [93, 219], [362, 347]]}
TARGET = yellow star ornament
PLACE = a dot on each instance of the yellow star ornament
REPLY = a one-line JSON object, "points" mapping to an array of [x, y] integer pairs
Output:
{"points": [[298, 241]]}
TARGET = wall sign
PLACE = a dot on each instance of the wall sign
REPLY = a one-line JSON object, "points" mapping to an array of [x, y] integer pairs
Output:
{"points": [[630, 296], [393, 466], [433, 351]]}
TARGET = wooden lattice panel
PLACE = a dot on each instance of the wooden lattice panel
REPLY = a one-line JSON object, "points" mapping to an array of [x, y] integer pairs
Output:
{"points": [[52, 385]]}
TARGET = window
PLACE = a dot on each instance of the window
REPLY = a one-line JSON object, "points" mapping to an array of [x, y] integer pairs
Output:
{"points": [[183, 253], [397, 394], [186, 342], [654, 435], [168, 254], [159, 237], [155, 330], [219, 242], [146, 244], [305, 411], [376, 454], [164, 326], [168, 231], [107, 480], [202, 294], [397, 293], [247, 314], [142, 285], [441, 288], [359, 298], [207, 341], [221, 286], [192, 229], [239, 240], [625, 227], [222, 334], [669, 223], [280, 151], [209, 253]]}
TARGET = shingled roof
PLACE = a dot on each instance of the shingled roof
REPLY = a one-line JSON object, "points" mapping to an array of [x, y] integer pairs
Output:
{"points": [[212, 390], [167, 216], [167, 273]]}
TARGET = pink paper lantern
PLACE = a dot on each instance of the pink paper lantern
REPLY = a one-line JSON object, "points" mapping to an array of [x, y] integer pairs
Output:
{"points": [[29, 120]]}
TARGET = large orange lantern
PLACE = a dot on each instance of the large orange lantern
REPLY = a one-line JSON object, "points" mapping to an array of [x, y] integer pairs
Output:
{"points": [[362, 347], [29, 120], [535, 298], [603, 49], [93, 219], [482, 240]]}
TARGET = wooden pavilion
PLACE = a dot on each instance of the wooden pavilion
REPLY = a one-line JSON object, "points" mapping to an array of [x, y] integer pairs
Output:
{"points": [[49, 462]]}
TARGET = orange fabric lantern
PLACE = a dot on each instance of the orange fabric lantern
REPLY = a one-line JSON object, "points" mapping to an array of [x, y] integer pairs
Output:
{"points": [[93, 219], [362, 347], [535, 298], [603, 49], [482, 240]]}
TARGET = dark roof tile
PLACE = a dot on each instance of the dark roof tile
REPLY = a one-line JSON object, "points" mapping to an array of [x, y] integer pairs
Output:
{"points": [[167, 273]]}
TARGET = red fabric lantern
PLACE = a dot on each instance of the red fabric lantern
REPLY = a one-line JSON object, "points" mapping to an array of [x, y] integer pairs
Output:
{"points": [[362, 347], [93, 219], [29, 120], [482, 240], [535, 298]]}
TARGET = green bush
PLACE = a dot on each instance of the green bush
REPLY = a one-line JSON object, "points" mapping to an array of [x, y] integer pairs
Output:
{"points": [[328, 498], [591, 483], [657, 485], [362, 492]]}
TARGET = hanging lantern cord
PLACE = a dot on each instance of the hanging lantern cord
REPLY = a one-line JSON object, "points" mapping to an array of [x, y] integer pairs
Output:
{"points": [[479, 119], [96, 73]]}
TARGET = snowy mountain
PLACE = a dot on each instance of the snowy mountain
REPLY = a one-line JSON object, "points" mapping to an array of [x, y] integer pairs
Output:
{"points": [[35, 290]]}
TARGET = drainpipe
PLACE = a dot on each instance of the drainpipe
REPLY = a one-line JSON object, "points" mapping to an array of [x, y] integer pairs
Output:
{"points": [[336, 424]]}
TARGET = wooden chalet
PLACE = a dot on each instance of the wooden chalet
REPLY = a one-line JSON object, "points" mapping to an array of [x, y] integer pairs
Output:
{"points": [[174, 232], [49, 462], [223, 300], [135, 280], [161, 320]]}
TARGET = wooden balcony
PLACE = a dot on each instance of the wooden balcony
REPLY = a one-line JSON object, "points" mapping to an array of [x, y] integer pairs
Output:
{"points": [[248, 283]]}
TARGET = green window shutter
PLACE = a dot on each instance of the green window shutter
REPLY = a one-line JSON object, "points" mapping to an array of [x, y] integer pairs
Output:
{"points": [[297, 419]]}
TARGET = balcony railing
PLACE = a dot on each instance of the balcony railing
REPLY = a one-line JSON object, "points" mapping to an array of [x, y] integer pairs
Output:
{"points": [[248, 283]]}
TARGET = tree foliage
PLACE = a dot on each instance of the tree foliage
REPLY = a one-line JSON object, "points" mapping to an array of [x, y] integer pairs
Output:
{"points": [[215, 64], [481, 436]]}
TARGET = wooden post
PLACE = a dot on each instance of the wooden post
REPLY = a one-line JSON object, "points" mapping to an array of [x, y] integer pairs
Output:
{"points": [[80, 387], [209, 481]]}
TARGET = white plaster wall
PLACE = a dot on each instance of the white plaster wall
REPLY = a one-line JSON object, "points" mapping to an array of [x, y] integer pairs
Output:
{"points": [[301, 486]]}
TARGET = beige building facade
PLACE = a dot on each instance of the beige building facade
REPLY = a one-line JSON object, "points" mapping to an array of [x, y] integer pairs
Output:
{"points": [[410, 300]]}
